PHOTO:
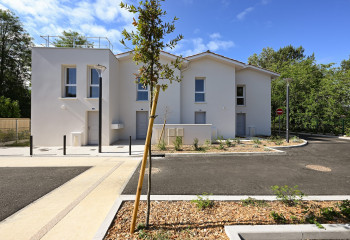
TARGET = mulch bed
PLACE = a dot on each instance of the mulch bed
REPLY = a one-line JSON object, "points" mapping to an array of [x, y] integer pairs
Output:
{"points": [[183, 220]]}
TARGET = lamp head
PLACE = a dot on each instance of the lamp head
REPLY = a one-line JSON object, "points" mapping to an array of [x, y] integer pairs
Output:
{"points": [[100, 69], [288, 80]]}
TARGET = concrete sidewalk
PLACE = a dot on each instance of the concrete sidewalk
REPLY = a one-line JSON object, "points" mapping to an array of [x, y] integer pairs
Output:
{"points": [[76, 209], [119, 150]]}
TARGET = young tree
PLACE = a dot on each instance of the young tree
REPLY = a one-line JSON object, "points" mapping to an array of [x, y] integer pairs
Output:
{"points": [[15, 60], [148, 41], [9, 108], [72, 39]]}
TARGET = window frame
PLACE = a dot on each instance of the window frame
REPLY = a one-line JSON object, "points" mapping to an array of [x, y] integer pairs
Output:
{"points": [[89, 85], [241, 97], [141, 90], [65, 84], [199, 92]]}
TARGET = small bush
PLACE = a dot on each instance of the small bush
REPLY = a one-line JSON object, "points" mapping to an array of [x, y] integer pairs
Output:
{"points": [[207, 142], [161, 145], [266, 149], [344, 207], [329, 213], [254, 202], [296, 139], [255, 146], [288, 195], [228, 142], [278, 141], [203, 201], [256, 141], [279, 218], [238, 140], [195, 144], [221, 146], [178, 143]]}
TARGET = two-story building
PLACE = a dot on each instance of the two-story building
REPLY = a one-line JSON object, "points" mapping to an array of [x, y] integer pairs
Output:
{"points": [[218, 96]]}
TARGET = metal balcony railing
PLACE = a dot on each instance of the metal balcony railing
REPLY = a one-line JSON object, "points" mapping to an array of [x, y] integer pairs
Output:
{"points": [[92, 42]]}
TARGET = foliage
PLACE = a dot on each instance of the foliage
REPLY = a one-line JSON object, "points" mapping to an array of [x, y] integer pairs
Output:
{"points": [[221, 146], [15, 61], [228, 142], [344, 207], [9, 108], [238, 140], [278, 141], [296, 139], [256, 141], [328, 213], [266, 149], [72, 39], [255, 146], [279, 218], [18, 144], [6, 136], [148, 41], [178, 143], [195, 144], [288, 195], [254, 202], [202, 202], [161, 145], [319, 92], [207, 142]]}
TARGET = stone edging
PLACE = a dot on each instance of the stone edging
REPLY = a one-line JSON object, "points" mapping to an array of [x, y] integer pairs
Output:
{"points": [[101, 232]]}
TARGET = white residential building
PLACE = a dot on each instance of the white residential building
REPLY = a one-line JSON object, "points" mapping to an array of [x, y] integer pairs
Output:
{"points": [[217, 96]]}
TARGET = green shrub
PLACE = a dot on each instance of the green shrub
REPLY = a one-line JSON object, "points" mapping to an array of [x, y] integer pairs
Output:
{"points": [[278, 141], [195, 144], [207, 142], [6, 136], [288, 195], [344, 207], [267, 149], [203, 201], [221, 146], [328, 213], [296, 139], [178, 143], [161, 145], [238, 140], [254, 202], [255, 146], [256, 141], [228, 142], [279, 218]]}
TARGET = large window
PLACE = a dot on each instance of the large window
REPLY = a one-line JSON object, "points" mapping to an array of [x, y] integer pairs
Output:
{"points": [[94, 84], [70, 82], [199, 95], [240, 95], [142, 92]]}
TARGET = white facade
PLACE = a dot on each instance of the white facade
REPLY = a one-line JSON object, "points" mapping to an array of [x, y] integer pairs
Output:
{"points": [[55, 115]]}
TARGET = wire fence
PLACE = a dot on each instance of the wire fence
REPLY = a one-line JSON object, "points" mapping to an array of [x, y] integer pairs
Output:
{"points": [[14, 130]]}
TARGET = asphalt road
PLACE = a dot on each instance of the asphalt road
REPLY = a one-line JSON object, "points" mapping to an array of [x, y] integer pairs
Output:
{"points": [[254, 175], [21, 186]]}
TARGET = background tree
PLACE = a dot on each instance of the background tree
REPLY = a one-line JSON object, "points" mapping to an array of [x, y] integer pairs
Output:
{"points": [[148, 41], [72, 39], [15, 61], [9, 108]]}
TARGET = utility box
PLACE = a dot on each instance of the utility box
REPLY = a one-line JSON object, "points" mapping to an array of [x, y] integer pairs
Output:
{"points": [[76, 139]]}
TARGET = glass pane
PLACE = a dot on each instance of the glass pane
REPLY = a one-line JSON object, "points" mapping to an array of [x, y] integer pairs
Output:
{"points": [[142, 96], [199, 97], [199, 85], [94, 76], [71, 76], [240, 101], [240, 92], [71, 91], [94, 92]]}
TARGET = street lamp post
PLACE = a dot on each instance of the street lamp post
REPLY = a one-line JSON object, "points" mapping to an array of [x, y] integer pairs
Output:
{"points": [[100, 69], [288, 80]]}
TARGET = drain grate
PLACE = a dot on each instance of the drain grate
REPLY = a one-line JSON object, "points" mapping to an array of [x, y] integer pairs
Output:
{"points": [[319, 168]]}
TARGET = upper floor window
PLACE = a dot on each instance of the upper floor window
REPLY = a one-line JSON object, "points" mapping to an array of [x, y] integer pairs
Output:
{"points": [[94, 84], [199, 95], [142, 92], [240, 95], [70, 82]]}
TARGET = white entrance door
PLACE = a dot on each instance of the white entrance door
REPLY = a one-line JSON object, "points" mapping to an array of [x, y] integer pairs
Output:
{"points": [[93, 128], [141, 124], [240, 124]]}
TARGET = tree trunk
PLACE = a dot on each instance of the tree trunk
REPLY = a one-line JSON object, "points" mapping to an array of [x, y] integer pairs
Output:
{"points": [[149, 167]]}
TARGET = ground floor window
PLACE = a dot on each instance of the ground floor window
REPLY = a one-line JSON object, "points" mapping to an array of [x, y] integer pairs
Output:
{"points": [[199, 117]]}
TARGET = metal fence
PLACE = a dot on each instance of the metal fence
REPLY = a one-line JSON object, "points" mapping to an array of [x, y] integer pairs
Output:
{"points": [[14, 129]]}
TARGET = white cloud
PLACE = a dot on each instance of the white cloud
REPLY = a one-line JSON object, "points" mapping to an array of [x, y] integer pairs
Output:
{"points": [[242, 15], [217, 44], [215, 35]]}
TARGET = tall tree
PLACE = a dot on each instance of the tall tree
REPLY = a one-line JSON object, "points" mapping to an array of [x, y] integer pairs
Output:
{"points": [[15, 60], [9, 108], [72, 39], [345, 65], [148, 41]]}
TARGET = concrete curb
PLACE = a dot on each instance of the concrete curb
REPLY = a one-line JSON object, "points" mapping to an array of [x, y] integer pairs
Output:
{"points": [[288, 231], [101, 232], [294, 146]]}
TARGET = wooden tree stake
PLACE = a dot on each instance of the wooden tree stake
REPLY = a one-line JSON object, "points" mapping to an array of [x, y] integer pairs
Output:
{"points": [[144, 160]]}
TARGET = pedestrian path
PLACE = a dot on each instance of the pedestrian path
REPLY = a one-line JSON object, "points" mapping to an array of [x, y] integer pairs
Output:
{"points": [[76, 209]]}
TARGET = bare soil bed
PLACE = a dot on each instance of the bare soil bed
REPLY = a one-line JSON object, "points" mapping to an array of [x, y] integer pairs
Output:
{"points": [[243, 146], [183, 220]]}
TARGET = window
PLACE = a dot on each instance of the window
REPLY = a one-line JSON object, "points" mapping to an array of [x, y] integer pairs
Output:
{"points": [[70, 82], [199, 118], [94, 84], [142, 92], [240, 95], [199, 95]]}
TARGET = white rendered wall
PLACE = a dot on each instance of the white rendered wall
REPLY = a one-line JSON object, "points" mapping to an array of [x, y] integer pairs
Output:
{"points": [[114, 91], [219, 95], [169, 99], [49, 121], [258, 100]]}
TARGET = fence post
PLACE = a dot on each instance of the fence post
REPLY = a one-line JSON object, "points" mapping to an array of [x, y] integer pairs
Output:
{"points": [[64, 144], [129, 145], [31, 145], [16, 130]]}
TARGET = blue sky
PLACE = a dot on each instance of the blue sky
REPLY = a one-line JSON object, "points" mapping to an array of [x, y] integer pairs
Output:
{"points": [[234, 28]]}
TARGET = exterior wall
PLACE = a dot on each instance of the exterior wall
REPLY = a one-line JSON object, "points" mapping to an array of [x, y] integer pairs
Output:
{"points": [[129, 105], [219, 95], [54, 116], [190, 131], [258, 100], [114, 101]]}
